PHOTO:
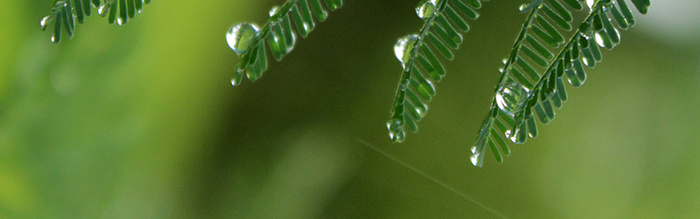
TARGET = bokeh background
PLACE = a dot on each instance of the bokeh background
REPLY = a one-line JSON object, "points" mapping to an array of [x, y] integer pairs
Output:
{"points": [[140, 121]]}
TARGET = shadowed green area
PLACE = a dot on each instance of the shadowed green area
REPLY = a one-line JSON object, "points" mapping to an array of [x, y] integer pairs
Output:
{"points": [[141, 121]]}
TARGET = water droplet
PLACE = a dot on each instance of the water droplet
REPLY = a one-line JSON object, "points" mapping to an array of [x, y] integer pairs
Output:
{"points": [[513, 136], [586, 61], [53, 38], [120, 21], [473, 149], [475, 159], [44, 22], [396, 133], [501, 70], [511, 98], [398, 136], [426, 9], [504, 60], [600, 39], [394, 124], [235, 81], [274, 10], [404, 47], [102, 11], [523, 8], [241, 36], [590, 3]]}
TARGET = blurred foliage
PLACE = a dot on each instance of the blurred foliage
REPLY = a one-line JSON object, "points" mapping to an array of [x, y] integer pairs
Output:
{"points": [[141, 122]]}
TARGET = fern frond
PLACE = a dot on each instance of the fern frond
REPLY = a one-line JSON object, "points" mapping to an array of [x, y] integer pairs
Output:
{"points": [[444, 20], [525, 90], [249, 41], [65, 13]]}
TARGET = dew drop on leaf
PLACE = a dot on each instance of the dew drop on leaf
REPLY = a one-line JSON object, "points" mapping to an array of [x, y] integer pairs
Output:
{"points": [[523, 8], [404, 47], [44, 22], [241, 36], [426, 8], [396, 132], [102, 11], [590, 3], [511, 98], [475, 159]]}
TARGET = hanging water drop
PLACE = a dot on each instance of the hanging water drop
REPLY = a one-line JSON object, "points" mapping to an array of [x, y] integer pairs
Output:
{"points": [[404, 47], [120, 21], [397, 137], [235, 81], [511, 98], [513, 136], [102, 11], [241, 36], [54, 39], [44, 22], [505, 61], [396, 132], [590, 3], [426, 9], [475, 159], [523, 8]]}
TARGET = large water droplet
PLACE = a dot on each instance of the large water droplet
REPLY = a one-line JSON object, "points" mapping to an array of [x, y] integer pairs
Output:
{"points": [[511, 98], [396, 132], [120, 21], [426, 8], [241, 36], [404, 47], [44, 22]]}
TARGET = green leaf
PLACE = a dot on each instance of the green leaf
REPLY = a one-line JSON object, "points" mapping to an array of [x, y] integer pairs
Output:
{"points": [[280, 35], [442, 32], [549, 90]]}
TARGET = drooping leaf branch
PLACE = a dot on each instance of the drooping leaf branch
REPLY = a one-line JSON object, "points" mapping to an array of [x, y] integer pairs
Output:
{"points": [[518, 99], [444, 20], [249, 41], [65, 12]]}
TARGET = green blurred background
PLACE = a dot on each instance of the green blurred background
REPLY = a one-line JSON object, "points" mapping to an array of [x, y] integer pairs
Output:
{"points": [[140, 121]]}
